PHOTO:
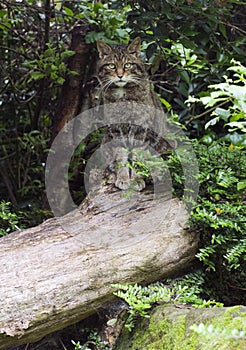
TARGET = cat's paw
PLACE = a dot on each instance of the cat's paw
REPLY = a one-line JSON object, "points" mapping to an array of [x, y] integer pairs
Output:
{"points": [[137, 182], [123, 180], [126, 180]]}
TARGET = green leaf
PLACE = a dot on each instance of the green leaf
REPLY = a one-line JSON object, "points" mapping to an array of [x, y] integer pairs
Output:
{"points": [[37, 75], [237, 91], [48, 52], [237, 125], [188, 43], [237, 116], [185, 76], [222, 113], [165, 103], [241, 185], [239, 68], [67, 53], [60, 80], [236, 139], [207, 139], [3, 13], [68, 11], [210, 101], [222, 29], [212, 122]]}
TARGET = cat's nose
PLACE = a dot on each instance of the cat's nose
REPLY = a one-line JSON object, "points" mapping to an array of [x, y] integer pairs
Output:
{"points": [[120, 73]]}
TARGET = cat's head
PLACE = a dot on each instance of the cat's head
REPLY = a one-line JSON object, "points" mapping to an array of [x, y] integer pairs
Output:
{"points": [[120, 64]]}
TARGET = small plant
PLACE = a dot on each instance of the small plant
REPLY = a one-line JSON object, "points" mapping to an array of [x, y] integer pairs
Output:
{"points": [[94, 341], [8, 220], [141, 299], [78, 346], [189, 290]]}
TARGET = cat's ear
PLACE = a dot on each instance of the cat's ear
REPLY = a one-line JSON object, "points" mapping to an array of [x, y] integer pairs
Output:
{"points": [[134, 47], [103, 48]]}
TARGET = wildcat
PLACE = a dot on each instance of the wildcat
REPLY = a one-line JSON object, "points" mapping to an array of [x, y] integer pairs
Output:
{"points": [[123, 77]]}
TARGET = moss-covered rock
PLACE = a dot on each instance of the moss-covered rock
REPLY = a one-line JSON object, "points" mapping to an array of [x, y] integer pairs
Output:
{"points": [[168, 328]]}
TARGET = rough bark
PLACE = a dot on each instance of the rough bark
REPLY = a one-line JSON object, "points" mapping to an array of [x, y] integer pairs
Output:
{"points": [[61, 271], [75, 96], [73, 91]]}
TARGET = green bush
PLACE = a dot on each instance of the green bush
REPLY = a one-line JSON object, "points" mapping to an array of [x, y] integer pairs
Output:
{"points": [[9, 221], [220, 219], [231, 95]]}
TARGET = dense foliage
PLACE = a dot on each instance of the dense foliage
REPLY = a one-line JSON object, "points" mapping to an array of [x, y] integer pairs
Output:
{"points": [[219, 217], [196, 56]]}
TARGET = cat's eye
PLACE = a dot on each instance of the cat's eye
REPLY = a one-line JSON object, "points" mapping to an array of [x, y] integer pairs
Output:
{"points": [[127, 65], [111, 66]]}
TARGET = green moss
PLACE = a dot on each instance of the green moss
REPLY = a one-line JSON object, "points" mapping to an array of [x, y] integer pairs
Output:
{"points": [[169, 329], [233, 318], [170, 336]]}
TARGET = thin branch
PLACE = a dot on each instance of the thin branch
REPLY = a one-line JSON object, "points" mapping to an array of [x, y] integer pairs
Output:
{"points": [[206, 112], [234, 27], [15, 51], [8, 186]]}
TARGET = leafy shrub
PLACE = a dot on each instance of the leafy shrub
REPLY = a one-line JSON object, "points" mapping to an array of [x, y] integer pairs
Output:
{"points": [[8, 220], [50, 64], [141, 299], [94, 342], [190, 45], [106, 22], [219, 217], [231, 95]]}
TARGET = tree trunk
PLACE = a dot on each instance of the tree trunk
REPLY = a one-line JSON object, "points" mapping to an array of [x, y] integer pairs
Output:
{"points": [[61, 271], [73, 95]]}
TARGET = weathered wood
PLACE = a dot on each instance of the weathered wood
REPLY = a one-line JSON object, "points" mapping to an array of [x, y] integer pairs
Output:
{"points": [[61, 271]]}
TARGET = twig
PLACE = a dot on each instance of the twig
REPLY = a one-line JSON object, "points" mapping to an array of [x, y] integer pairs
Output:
{"points": [[204, 113]]}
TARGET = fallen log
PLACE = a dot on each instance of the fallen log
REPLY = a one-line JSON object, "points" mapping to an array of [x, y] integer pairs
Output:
{"points": [[61, 271]]}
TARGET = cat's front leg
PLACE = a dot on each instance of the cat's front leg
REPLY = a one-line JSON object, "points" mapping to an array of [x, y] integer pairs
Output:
{"points": [[122, 178], [122, 170], [126, 177]]}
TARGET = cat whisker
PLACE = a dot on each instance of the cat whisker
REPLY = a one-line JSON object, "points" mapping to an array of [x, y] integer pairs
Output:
{"points": [[106, 85], [138, 81]]}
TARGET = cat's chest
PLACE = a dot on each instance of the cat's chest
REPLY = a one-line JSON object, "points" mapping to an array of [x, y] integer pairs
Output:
{"points": [[127, 93], [119, 92]]}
